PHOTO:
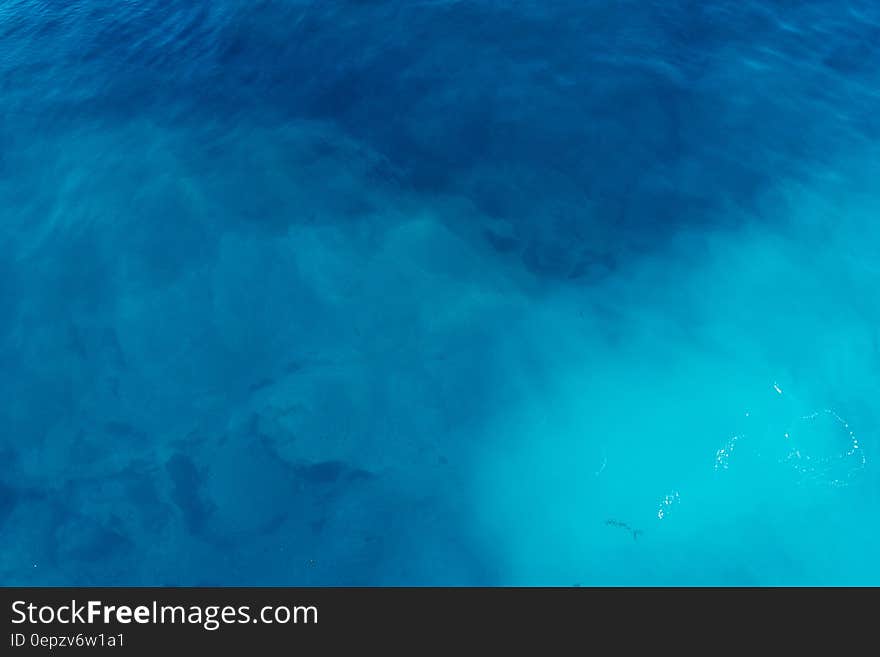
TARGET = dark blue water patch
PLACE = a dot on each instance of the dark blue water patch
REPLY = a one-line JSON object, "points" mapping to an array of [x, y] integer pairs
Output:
{"points": [[186, 492], [74, 272], [81, 540], [9, 497], [329, 472], [484, 127], [432, 113], [123, 431]]}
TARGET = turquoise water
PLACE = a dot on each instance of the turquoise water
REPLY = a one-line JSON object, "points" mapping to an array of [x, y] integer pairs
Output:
{"points": [[477, 293]]}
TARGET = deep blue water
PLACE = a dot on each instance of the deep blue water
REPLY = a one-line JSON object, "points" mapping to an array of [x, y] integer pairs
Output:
{"points": [[439, 292]]}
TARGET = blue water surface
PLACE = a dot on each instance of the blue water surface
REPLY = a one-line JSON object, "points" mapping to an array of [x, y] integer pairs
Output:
{"points": [[456, 292]]}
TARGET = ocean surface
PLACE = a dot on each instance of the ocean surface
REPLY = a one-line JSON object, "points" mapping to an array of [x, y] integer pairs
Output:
{"points": [[439, 292]]}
